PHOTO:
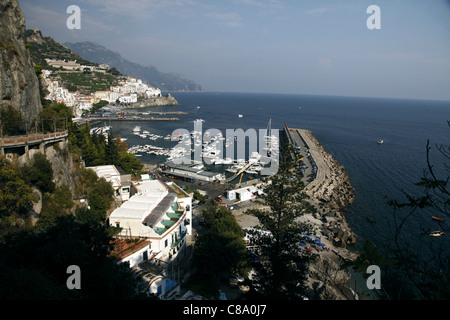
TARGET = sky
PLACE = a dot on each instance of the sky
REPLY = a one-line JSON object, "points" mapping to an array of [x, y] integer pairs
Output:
{"points": [[319, 47]]}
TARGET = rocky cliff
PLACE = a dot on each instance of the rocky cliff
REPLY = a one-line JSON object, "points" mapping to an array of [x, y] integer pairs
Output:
{"points": [[167, 100], [19, 85]]}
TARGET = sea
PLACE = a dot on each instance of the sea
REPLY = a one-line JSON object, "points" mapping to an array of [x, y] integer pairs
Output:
{"points": [[349, 128]]}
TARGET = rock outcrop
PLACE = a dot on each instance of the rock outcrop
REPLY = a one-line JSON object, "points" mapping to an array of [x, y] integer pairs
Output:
{"points": [[19, 85], [167, 100], [330, 193]]}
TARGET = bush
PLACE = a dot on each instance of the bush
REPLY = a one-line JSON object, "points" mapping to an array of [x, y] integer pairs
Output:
{"points": [[40, 173]]}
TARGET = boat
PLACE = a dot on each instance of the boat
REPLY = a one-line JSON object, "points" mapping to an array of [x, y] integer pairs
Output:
{"points": [[240, 115], [438, 219], [380, 141], [227, 161], [436, 233], [137, 129]]}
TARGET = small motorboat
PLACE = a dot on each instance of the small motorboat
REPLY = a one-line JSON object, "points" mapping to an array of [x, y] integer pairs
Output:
{"points": [[380, 141], [436, 233]]}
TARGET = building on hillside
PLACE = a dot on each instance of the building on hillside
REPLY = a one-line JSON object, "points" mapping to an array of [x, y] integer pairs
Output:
{"points": [[102, 95], [121, 182], [156, 278], [159, 212], [158, 217], [129, 98], [66, 65]]}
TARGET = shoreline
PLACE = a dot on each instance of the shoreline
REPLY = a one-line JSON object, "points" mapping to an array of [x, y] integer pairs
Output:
{"points": [[330, 193]]}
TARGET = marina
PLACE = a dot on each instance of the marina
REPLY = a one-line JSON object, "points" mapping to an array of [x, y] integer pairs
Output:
{"points": [[211, 148]]}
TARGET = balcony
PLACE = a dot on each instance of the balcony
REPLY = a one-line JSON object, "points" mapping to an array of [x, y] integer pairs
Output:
{"points": [[181, 236], [166, 224]]}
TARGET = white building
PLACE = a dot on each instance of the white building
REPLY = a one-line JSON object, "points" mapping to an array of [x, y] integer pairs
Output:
{"points": [[151, 92], [120, 182], [244, 194], [159, 212], [130, 98]]}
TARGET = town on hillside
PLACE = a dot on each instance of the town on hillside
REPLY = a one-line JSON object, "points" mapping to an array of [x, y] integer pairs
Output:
{"points": [[127, 91]]}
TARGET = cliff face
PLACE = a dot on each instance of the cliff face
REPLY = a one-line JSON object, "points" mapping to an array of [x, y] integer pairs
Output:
{"points": [[19, 85]]}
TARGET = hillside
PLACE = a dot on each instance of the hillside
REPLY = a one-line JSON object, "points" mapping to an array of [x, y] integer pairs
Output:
{"points": [[42, 48], [165, 81]]}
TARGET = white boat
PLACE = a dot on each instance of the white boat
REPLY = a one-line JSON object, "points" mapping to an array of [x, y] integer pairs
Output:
{"points": [[240, 115], [380, 141], [217, 161], [227, 161], [137, 129], [254, 158], [436, 233]]}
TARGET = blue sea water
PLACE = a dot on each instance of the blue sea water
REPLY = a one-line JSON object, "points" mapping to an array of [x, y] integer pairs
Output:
{"points": [[348, 127]]}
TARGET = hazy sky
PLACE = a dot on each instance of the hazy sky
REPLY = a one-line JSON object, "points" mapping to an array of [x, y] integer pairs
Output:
{"points": [[280, 46]]}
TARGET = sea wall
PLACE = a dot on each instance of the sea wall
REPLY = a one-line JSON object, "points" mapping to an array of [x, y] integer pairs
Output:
{"points": [[330, 193]]}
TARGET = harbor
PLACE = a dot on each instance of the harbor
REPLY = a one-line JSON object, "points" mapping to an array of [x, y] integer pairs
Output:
{"points": [[236, 182]]}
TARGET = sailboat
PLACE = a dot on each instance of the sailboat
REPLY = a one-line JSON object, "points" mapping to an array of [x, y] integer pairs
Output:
{"points": [[270, 140]]}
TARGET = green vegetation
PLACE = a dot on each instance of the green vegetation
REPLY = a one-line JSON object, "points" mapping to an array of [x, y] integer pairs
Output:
{"points": [[39, 173], [16, 196], [87, 82], [219, 250], [34, 264], [42, 48], [200, 197], [97, 150], [282, 266], [98, 105], [11, 121]]}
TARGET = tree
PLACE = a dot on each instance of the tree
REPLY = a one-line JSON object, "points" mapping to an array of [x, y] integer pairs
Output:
{"points": [[281, 262], [15, 195], [39, 173], [100, 198], [54, 205], [129, 163], [111, 150], [33, 264], [222, 231]]}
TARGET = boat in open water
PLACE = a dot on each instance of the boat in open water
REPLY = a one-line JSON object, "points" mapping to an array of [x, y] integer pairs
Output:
{"points": [[436, 233]]}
